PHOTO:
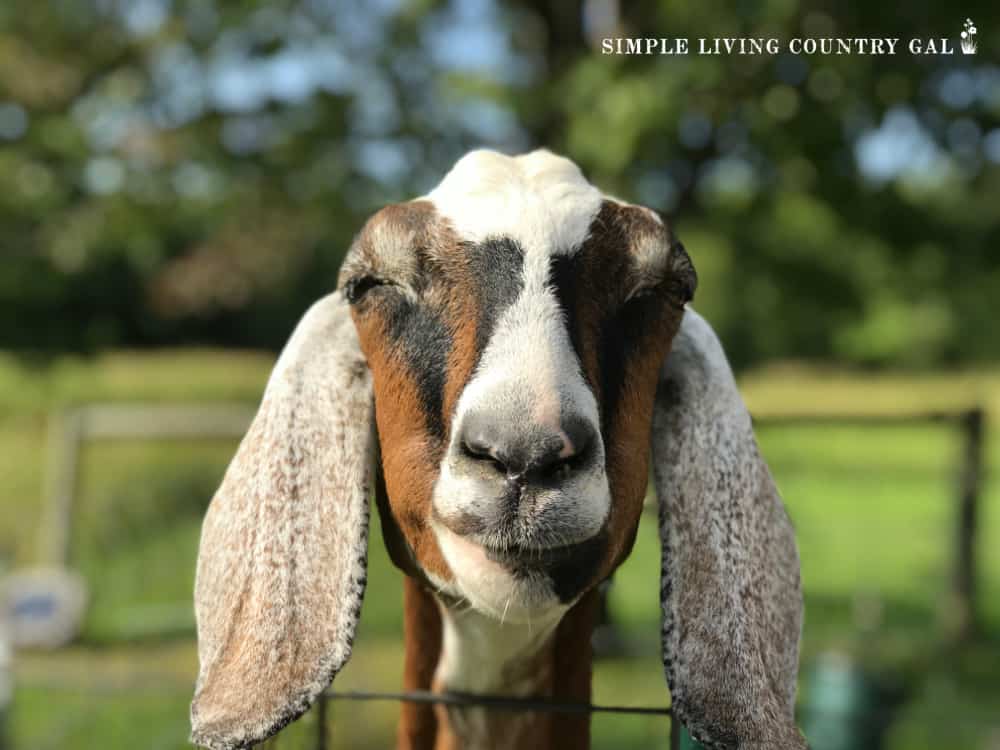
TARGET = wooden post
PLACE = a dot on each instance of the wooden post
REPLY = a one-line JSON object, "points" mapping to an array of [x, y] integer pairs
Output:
{"points": [[969, 485], [65, 432], [69, 430]]}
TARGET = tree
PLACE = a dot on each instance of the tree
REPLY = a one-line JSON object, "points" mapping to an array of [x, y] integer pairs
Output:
{"points": [[193, 171]]}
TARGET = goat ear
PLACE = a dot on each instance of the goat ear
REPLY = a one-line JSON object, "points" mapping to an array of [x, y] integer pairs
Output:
{"points": [[281, 567], [730, 590]]}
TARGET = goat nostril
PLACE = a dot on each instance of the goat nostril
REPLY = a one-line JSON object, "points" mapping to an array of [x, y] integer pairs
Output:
{"points": [[480, 450], [561, 465], [559, 470], [578, 439], [476, 448]]}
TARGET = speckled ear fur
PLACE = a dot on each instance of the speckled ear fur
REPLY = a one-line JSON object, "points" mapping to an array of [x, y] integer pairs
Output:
{"points": [[730, 589], [281, 567]]}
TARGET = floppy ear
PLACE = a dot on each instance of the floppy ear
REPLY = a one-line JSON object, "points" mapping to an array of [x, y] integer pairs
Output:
{"points": [[730, 589], [281, 567]]}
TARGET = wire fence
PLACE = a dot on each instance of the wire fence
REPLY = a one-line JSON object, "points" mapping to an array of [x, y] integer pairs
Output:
{"points": [[866, 720], [493, 702], [73, 430], [970, 425]]}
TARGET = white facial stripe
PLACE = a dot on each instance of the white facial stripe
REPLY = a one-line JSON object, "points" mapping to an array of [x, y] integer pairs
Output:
{"points": [[543, 202], [530, 351], [527, 374], [539, 199], [530, 373]]}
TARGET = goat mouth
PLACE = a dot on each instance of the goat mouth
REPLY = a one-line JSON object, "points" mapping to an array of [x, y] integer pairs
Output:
{"points": [[516, 555], [570, 567]]}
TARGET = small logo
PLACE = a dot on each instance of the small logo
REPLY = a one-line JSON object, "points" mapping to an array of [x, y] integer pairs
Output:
{"points": [[969, 37]]}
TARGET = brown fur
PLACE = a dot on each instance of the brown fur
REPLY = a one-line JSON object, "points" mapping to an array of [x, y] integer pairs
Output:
{"points": [[572, 670], [409, 458], [606, 276], [418, 724]]}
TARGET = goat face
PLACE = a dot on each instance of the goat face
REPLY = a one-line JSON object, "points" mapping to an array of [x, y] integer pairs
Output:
{"points": [[514, 321]]}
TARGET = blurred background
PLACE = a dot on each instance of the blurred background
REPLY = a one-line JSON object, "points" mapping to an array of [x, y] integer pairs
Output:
{"points": [[179, 179]]}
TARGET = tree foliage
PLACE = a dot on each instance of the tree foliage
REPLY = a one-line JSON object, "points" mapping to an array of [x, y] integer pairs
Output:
{"points": [[192, 171]]}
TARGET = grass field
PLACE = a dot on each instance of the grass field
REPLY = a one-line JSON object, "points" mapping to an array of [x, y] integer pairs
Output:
{"points": [[873, 508]]}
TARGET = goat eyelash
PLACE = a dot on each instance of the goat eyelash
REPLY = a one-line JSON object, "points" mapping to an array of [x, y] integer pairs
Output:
{"points": [[644, 295], [676, 293], [359, 286]]}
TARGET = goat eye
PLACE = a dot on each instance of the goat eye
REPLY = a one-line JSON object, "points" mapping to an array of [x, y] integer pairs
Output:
{"points": [[359, 286], [642, 295], [675, 292]]}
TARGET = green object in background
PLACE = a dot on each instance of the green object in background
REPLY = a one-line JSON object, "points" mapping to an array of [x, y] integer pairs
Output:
{"points": [[688, 742], [845, 708]]}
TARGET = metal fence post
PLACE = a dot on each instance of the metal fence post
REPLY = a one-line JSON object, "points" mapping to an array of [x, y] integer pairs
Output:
{"points": [[970, 481], [321, 723]]}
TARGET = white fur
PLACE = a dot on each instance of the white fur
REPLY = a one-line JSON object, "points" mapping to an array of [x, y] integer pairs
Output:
{"points": [[539, 199], [478, 651], [482, 655], [489, 588]]}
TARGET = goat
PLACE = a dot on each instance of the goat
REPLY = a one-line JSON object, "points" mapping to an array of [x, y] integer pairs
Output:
{"points": [[499, 362]]}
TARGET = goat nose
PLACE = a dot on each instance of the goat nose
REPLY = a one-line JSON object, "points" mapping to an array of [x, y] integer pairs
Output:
{"points": [[522, 451]]}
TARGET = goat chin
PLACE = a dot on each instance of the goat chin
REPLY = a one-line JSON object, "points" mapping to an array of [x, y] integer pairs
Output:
{"points": [[491, 588]]}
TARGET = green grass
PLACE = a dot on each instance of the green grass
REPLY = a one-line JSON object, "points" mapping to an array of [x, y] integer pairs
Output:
{"points": [[873, 508]]}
